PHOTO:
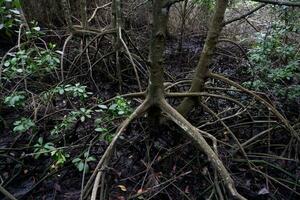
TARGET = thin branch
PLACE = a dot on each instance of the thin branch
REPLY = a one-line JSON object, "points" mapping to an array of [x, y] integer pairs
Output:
{"points": [[263, 101], [96, 10], [131, 59], [245, 15], [279, 3], [198, 94]]}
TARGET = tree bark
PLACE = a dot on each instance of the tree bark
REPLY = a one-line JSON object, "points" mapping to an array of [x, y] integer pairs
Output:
{"points": [[157, 47], [201, 73], [45, 12], [48, 12]]}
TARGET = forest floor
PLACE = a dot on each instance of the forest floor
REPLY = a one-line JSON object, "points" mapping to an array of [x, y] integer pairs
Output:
{"points": [[159, 166]]}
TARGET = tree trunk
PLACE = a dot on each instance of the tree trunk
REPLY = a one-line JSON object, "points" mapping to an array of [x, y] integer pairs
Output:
{"points": [[48, 12], [206, 56], [157, 47], [45, 12]]}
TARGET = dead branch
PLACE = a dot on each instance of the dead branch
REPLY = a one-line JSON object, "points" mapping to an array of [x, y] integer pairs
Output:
{"points": [[245, 15]]}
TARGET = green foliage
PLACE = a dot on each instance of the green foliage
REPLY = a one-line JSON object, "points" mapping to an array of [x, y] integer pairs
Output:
{"points": [[9, 16], [69, 120], [31, 61], [23, 125], [82, 114], [58, 155], [15, 100], [76, 90], [34, 31], [120, 107], [41, 148], [82, 163], [276, 63], [208, 4]]}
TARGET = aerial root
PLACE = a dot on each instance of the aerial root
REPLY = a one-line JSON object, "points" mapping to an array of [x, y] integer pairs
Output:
{"points": [[109, 151], [197, 136], [190, 130], [7, 194], [258, 98]]}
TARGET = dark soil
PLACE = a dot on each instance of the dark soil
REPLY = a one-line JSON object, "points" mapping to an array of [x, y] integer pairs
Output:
{"points": [[163, 166]]}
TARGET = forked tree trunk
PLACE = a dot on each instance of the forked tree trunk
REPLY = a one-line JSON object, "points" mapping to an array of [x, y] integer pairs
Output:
{"points": [[155, 102], [201, 73]]}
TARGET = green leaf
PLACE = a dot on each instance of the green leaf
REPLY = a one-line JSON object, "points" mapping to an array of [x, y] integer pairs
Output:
{"points": [[101, 130], [76, 160], [80, 166]]}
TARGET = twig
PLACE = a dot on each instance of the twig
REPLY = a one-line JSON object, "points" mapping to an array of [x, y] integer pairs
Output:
{"points": [[96, 10]]}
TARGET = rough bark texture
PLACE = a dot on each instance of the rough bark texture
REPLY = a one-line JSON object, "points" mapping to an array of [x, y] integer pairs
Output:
{"points": [[206, 57], [157, 47]]}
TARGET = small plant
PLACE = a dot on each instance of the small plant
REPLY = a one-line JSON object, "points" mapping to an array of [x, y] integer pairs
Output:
{"points": [[82, 163], [23, 125], [16, 65], [120, 107], [82, 114], [105, 133], [17, 99], [76, 90], [66, 124], [48, 59], [30, 62], [41, 148], [34, 31], [58, 155]]}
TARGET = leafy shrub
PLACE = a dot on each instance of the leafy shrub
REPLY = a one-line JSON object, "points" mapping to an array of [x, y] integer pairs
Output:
{"points": [[276, 63], [9, 16], [17, 99], [31, 61], [23, 125], [120, 107]]}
